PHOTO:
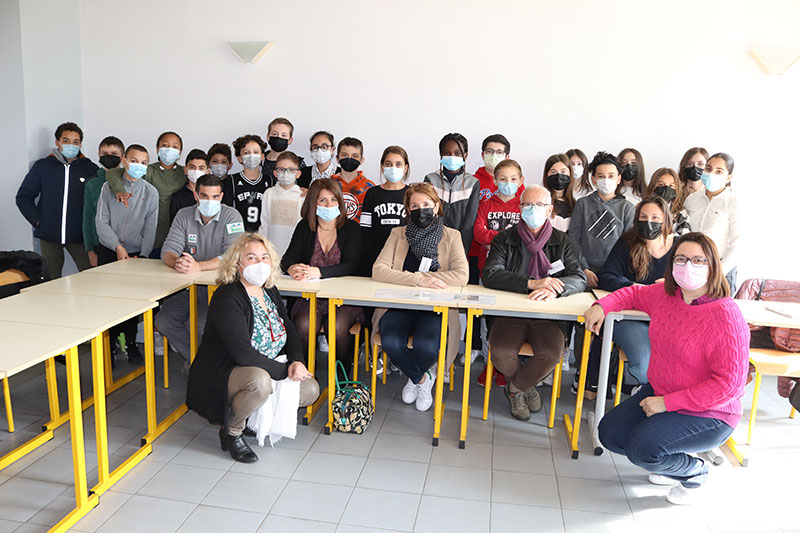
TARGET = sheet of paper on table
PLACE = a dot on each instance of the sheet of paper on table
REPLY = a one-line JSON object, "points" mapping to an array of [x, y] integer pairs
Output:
{"points": [[432, 296], [784, 310]]}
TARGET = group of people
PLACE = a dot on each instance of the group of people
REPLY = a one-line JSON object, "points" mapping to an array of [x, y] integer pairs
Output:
{"points": [[666, 246]]}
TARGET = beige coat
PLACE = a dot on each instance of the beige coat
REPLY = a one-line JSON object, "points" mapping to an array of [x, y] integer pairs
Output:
{"points": [[453, 271]]}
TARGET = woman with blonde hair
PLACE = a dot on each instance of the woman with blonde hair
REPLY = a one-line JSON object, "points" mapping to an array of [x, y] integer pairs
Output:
{"points": [[424, 253], [246, 330]]}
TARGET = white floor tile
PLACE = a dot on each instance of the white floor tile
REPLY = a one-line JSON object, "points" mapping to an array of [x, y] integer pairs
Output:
{"points": [[21, 498], [274, 524], [438, 514], [312, 501], [399, 476], [592, 522], [524, 489], [593, 495], [522, 459], [142, 513], [334, 469], [381, 509], [402, 448], [245, 492], [507, 517], [181, 483], [461, 483], [206, 519]]}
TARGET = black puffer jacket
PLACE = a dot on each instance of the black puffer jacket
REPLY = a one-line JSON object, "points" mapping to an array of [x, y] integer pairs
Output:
{"points": [[506, 269]]}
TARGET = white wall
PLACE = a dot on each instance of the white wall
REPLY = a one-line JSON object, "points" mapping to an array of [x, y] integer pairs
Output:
{"points": [[550, 75]]}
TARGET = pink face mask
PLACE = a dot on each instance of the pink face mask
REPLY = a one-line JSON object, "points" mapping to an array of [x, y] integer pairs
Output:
{"points": [[689, 276]]}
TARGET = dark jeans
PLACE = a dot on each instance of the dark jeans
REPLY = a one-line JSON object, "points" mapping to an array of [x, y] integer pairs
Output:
{"points": [[730, 277], [661, 443], [130, 326], [632, 336], [397, 325]]}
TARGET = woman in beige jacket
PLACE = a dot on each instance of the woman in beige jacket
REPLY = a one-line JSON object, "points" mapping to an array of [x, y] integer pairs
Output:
{"points": [[424, 253]]}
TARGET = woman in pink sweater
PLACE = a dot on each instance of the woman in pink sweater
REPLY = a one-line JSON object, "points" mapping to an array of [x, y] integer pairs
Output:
{"points": [[698, 365]]}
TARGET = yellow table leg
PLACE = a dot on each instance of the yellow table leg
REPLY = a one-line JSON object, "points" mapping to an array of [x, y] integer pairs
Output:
{"points": [[487, 383], [573, 432], [100, 424], [149, 373], [438, 410], [551, 418], [192, 322], [355, 355], [731, 444], [165, 342], [367, 357], [52, 389], [312, 409], [462, 442], [107, 351], [332, 303], [375, 373], [211, 289], [754, 408], [9, 413]]}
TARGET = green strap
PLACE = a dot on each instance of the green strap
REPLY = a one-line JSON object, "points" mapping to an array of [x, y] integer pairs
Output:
{"points": [[341, 383]]}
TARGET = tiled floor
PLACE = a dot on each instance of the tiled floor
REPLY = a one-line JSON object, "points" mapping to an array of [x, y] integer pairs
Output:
{"points": [[512, 476]]}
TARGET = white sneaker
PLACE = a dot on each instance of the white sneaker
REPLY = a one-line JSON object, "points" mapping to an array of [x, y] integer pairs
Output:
{"points": [[658, 479], [548, 380], [636, 389], [424, 397], [322, 343], [565, 359], [410, 392], [680, 495], [158, 344]]}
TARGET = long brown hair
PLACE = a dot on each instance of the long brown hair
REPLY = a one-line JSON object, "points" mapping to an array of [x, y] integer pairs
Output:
{"points": [[717, 286], [585, 184], [690, 153], [677, 203], [309, 210], [638, 185], [397, 150], [567, 197], [640, 256]]}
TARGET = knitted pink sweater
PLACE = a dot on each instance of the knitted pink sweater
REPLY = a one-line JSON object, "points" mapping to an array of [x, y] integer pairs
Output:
{"points": [[698, 353]]}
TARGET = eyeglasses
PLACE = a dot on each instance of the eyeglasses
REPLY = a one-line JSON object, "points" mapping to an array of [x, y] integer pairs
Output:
{"points": [[326, 146], [489, 151], [696, 260], [282, 169], [527, 205]]}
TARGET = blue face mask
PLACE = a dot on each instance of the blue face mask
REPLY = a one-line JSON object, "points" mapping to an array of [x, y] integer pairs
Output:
{"points": [[168, 156], [393, 174], [452, 163], [328, 213], [534, 216], [70, 150], [507, 188], [136, 170], [713, 182], [209, 208]]}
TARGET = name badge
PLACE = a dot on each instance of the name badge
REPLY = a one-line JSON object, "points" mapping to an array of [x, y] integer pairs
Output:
{"points": [[191, 238], [235, 227], [556, 267], [425, 264]]}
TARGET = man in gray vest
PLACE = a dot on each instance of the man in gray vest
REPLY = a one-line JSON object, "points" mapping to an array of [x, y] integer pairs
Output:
{"points": [[197, 239]]}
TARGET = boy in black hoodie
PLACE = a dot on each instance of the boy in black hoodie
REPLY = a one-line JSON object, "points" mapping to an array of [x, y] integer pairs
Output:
{"points": [[51, 199]]}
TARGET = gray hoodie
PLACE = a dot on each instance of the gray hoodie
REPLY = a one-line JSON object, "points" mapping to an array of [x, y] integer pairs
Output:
{"points": [[460, 202], [595, 226], [134, 227]]}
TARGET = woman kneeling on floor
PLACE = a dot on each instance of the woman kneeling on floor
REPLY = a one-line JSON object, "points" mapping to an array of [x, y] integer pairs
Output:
{"points": [[246, 331], [699, 350]]}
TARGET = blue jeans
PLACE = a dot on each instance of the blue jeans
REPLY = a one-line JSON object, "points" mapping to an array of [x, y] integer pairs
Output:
{"points": [[397, 325], [633, 338], [661, 443]]}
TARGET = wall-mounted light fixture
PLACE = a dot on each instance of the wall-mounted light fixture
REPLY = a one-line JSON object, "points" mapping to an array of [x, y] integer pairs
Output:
{"points": [[249, 51]]}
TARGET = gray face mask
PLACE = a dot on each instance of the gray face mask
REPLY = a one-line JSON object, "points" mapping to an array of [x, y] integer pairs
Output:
{"points": [[286, 178], [251, 161], [219, 171]]}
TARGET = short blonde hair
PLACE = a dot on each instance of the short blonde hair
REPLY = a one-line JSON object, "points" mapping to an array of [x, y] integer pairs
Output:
{"points": [[228, 271]]}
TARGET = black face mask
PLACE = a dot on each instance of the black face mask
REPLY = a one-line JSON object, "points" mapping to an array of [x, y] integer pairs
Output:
{"points": [[109, 161], [692, 173], [558, 182], [667, 193], [421, 217], [279, 144], [349, 164], [648, 230], [630, 172]]}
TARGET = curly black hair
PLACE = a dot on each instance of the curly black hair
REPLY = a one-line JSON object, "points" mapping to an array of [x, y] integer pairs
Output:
{"points": [[603, 158]]}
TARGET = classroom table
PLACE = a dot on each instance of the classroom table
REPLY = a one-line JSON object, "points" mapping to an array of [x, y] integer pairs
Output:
{"points": [[121, 286], [289, 287], [26, 345], [354, 290], [511, 304]]}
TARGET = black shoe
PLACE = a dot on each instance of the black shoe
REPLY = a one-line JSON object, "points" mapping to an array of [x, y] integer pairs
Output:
{"points": [[237, 447], [249, 432], [134, 355], [116, 353]]}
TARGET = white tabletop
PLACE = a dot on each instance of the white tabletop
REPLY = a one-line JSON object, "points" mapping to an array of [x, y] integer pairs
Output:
{"points": [[357, 290], [519, 305], [25, 345], [71, 310], [286, 285], [152, 268], [627, 313], [757, 313], [114, 286]]}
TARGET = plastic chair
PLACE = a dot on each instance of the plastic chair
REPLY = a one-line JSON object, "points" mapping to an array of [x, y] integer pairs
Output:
{"points": [[554, 395], [770, 363], [9, 277]]}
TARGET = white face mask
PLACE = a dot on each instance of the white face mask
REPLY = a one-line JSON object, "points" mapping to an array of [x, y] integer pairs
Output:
{"points": [[194, 175], [251, 161], [219, 170], [577, 171], [286, 178], [492, 160], [606, 186], [257, 273], [321, 156]]}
